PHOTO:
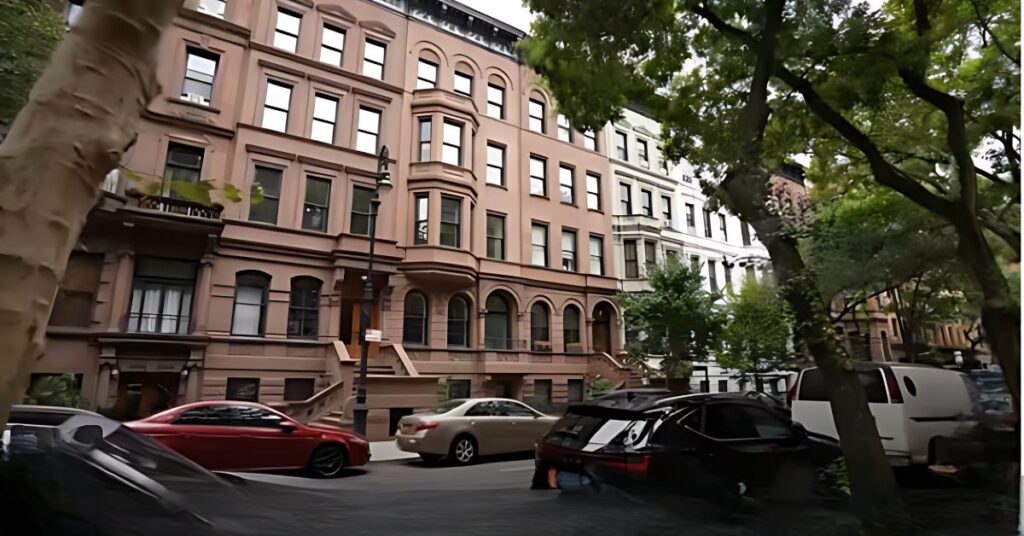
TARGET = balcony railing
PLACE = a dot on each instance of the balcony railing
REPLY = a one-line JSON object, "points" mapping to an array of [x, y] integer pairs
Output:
{"points": [[158, 323], [180, 206]]}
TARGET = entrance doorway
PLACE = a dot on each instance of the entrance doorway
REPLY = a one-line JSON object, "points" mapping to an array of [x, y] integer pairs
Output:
{"points": [[141, 394], [601, 329]]}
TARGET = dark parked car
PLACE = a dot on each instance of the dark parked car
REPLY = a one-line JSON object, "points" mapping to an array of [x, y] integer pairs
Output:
{"points": [[719, 445]]}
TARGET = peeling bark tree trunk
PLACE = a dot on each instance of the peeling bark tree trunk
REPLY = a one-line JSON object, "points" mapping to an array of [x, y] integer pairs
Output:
{"points": [[80, 118]]}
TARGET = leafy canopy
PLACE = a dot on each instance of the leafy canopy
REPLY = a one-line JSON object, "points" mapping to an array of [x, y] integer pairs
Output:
{"points": [[758, 337], [29, 31]]}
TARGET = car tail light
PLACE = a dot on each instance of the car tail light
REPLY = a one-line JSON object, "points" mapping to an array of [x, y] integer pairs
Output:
{"points": [[895, 395], [426, 425], [638, 463], [792, 394]]}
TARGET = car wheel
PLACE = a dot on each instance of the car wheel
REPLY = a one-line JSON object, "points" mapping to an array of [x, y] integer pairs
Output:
{"points": [[327, 461], [463, 450]]}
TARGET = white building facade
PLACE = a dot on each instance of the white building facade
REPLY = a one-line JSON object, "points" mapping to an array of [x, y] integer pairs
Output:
{"points": [[658, 212]]}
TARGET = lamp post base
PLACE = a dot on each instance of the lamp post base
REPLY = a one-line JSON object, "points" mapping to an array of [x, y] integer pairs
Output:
{"points": [[359, 414]]}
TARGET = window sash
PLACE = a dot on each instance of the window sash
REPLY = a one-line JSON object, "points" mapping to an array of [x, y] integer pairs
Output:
{"points": [[564, 129], [451, 143], [276, 105], [249, 309], [332, 45], [566, 182], [690, 216], [451, 222], [630, 256], [590, 140], [425, 132], [593, 192], [722, 227], [200, 73], [270, 181], [641, 149], [286, 30], [569, 251], [666, 209], [713, 275], [421, 224], [374, 54], [495, 164], [650, 254], [646, 200], [536, 110], [620, 146], [495, 237], [360, 220], [596, 255], [426, 74], [325, 113], [316, 209], [368, 130], [538, 177], [539, 245], [707, 223], [626, 199], [495, 101], [463, 84]]}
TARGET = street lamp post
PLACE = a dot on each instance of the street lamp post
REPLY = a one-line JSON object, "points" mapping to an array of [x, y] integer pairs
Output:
{"points": [[383, 185]]}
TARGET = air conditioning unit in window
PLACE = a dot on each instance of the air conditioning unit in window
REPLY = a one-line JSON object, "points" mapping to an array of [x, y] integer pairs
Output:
{"points": [[196, 98]]}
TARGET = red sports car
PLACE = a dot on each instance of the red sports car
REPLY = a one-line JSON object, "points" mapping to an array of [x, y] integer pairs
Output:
{"points": [[243, 436]]}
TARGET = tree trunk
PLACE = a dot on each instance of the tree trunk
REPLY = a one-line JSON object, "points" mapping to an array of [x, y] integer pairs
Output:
{"points": [[80, 118], [999, 314]]}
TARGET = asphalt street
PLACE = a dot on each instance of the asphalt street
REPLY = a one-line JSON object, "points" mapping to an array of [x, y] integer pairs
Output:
{"points": [[493, 498]]}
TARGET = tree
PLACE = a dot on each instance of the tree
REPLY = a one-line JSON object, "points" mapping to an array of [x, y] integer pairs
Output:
{"points": [[80, 118], [29, 31], [710, 89], [759, 335], [676, 319], [56, 390]]}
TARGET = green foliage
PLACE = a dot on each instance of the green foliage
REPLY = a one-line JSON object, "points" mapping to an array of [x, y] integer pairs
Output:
{"points": [[599, 387], [56, 390], [29, 31], [835, 477], [758, 337], [678, 318]]}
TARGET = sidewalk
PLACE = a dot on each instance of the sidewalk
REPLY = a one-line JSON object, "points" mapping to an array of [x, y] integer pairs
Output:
{"points": [[386, 451]]}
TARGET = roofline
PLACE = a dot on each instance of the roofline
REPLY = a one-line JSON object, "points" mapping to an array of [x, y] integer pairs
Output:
{"points": [[491, 20]]}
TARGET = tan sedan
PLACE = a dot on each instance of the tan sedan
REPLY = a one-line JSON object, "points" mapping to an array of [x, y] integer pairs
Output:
{"points": [[464, 429]]}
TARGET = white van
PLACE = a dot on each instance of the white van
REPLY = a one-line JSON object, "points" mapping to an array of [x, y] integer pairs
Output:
{"points": [[911, 404]]}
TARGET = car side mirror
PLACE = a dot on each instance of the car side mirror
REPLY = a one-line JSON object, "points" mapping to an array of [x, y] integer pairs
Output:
{"points": [[287, 427]]}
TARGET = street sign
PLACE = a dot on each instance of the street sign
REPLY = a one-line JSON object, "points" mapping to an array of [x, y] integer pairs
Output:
{"points": [[373, 335]]}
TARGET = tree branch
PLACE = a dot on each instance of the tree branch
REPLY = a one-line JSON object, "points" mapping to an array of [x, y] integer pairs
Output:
{"points": [[983, 22], [1008, 233]]}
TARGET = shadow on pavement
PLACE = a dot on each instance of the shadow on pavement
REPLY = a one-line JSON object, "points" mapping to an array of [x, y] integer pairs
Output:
{"points": [[483, 460]]}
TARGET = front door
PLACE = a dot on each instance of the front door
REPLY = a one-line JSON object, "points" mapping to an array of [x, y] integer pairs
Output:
{"points": [[351, 326], [141, 394], [602, 330]]}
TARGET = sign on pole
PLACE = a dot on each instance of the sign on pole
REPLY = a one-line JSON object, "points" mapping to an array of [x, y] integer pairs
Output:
{"points": [[373, 335]]}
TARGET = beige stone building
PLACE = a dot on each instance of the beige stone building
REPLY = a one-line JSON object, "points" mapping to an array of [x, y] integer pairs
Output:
{"points": [[493, 254]]}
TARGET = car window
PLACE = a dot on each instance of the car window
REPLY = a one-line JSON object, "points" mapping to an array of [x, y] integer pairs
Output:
{"points": [[812, 386], [258, 417], [513, 409], [736, 421], [206, 415], [482, 409]]}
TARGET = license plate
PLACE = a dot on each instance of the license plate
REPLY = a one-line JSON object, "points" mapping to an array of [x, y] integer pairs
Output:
{"points": [[572, 480]]}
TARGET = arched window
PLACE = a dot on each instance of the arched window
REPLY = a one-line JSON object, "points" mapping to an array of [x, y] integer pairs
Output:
{"points": [[497, 326], [250, 310], [540, 332], [571, 325], [458, 321], [414, 329], [304, 308]]}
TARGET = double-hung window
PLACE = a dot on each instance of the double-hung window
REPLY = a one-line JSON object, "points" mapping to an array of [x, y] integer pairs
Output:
{"points": [[625, 199], [593, 191], [495, 164], [325, 114], [368, 130], [590, 140], [286, 30], [451, 143], [496, 237], [691, 220], [621, 151], [566, 186], [451, 221], [318, 204], [200, 70], [564, 130], [569, 250], [538, 176], [539, 244], [536, 109], [641, 152], [421, 225], [275, 107], [630, 256], [425, 125], [332, 45], [495, 101], [426, 74], [360, 222], [263, 207], [707, 223], [373, 59], [646, 202], [722, 227], [162, 296], [666, 210], [463, 84], [596, 255]]}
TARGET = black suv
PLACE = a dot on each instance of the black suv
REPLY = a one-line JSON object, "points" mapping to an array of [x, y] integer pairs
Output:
{"points": [[720, 445]]}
